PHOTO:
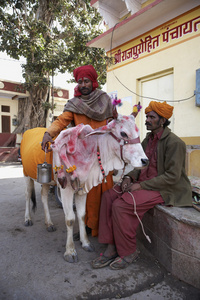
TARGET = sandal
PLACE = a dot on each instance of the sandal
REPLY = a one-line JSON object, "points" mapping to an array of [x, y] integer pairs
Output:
{"points": [[196, 201], [121, 262], [102, 261]]}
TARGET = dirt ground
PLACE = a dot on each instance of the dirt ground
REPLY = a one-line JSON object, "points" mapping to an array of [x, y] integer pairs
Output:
{"points": [[32, 266]]}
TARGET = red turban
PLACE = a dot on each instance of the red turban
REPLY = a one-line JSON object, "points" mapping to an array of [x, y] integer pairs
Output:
{"points": [[87, 71], [162, 109]]}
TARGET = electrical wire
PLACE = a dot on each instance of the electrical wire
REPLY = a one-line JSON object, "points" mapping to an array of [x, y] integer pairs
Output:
{"points": [[152, 98]]}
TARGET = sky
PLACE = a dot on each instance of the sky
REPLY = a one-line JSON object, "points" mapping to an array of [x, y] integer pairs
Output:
{"points": [[10, 69]]}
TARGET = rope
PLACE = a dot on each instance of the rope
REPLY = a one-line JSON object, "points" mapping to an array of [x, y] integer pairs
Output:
{"points": [[135, 212]]}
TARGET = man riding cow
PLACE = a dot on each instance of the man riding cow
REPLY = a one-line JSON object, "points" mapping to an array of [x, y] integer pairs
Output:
{"points": [[89, 106]]}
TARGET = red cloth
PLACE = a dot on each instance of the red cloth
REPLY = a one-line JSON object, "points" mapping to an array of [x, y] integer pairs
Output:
{"points": [[93, 204], [87, 71], [118, 222], [151, 152]]}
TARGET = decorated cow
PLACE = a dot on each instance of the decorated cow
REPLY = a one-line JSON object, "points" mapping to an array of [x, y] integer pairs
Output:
{"points": [[82, 158]]}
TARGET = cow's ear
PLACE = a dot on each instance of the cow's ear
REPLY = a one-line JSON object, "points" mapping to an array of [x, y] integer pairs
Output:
{"points": [[95, 132], [104, 129]]}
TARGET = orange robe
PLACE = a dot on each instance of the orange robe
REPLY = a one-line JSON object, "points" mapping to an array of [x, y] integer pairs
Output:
{"points": [[94, 195]]}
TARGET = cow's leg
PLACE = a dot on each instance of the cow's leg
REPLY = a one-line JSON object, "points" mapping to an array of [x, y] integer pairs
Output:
{"points": [[28, 194], [80, 201], [44, 197], [67, 194]]}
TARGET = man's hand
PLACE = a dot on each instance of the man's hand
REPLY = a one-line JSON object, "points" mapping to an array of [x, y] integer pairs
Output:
{"points": [[126, 184], [135, 187], [45, 142]]}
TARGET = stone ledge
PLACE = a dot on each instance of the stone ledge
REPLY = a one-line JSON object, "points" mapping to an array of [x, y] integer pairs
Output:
{"points": [[187, 215], [175, 236]]}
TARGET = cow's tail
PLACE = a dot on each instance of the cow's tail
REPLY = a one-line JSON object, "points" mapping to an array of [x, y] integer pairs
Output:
{"points": [[33, 199]]}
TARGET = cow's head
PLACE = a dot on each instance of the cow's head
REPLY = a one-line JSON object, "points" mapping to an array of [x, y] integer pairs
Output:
{"points": [[124, 131]]}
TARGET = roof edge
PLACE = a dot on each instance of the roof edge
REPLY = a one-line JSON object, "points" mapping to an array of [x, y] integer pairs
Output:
{"points": [[118, 25]]}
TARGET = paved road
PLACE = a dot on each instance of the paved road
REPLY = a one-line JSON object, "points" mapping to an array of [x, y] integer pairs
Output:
{"points": [[32, 265]]}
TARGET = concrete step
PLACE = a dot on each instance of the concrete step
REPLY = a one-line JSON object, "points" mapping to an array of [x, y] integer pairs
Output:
{"points": [[175, 236]]}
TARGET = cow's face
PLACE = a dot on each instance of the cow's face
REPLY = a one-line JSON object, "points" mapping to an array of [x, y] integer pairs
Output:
{"points": [[125, 139], [132, 151]]}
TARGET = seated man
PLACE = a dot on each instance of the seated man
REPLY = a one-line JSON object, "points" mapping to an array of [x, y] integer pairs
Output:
{"points": [[164, 181]]}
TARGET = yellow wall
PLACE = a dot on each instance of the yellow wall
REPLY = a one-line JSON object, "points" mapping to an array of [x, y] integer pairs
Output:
{"points": [[13, 110], [193, 162], [193, 140], [13, 114], [60, 103]]}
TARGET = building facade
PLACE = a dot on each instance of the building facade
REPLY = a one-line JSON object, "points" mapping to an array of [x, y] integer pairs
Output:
{"points": [[155, 47], [11, 92]]}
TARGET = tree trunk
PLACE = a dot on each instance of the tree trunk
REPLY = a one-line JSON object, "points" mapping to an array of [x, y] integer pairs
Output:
{"points": [[31, 112]]}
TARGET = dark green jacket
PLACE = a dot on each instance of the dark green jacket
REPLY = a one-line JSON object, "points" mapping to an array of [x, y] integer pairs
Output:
{"points": [[172, 181]]}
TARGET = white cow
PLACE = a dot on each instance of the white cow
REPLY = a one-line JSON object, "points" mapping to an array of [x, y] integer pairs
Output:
{"points": [[82, 158]]}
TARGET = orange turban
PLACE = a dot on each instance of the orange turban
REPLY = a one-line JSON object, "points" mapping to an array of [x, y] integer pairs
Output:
{"points": [[162, 109]]}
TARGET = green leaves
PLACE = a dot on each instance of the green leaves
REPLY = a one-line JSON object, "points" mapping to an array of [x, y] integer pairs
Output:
{"points": [[51, 34], [52, 37]]}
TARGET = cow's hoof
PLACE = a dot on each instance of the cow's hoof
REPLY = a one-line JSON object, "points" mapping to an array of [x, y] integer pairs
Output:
{"points": [[71, 258], [89, 248], [28, 223], [51, 228]]}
